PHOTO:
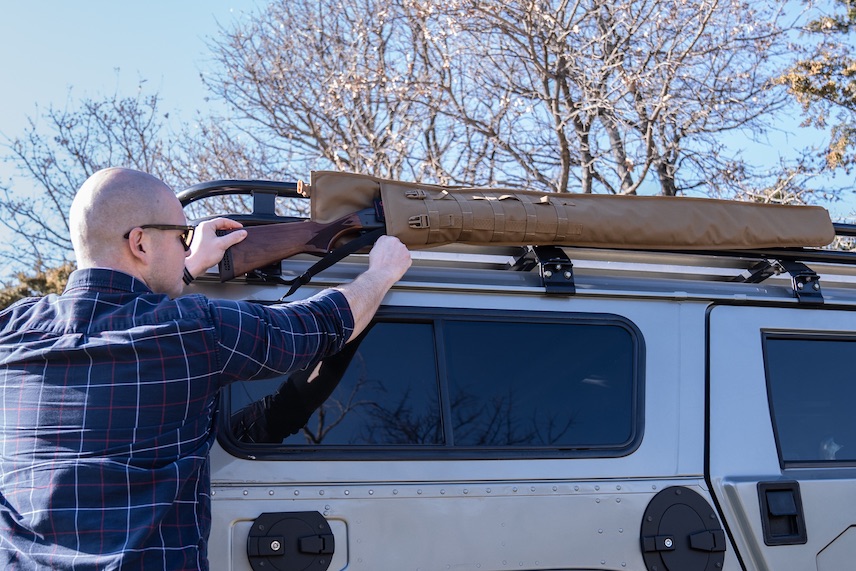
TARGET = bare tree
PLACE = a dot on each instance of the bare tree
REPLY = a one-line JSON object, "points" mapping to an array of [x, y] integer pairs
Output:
{"points": [[326, 84], [57, 153], [605, 96], [63, 146]]}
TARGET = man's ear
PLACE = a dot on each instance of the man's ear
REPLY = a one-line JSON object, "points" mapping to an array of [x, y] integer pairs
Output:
{"points": [[137, 244]]}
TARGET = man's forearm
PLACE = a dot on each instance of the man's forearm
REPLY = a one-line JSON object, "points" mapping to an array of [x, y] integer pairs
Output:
{"points": [[364, 295], [388, 261]]}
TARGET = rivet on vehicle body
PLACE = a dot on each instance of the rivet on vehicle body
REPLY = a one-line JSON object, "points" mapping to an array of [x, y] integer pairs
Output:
{"points": [[488, 490], [597, 487], [347, 492], [320, 492], [270, 492], [567, 275], [548, 274], [668, 542], [395, 492], [466, 491], [597, 500], [275, 545], [442, 492], [246, 492], [514, 489], [371, 492], [555, 488], [296, 492]]}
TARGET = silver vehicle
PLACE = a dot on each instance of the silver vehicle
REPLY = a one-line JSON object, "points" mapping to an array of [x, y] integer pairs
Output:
{"points": [[559, 409]]}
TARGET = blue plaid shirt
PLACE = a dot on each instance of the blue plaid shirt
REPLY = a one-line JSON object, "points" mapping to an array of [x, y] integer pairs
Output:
{"points": [[108, 396]]}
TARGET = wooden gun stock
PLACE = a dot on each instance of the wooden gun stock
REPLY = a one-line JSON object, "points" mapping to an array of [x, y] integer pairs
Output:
{"points": [[271, 243]]}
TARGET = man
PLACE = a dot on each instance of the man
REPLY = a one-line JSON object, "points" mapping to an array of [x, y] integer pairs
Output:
{"points": [[109, 390]]}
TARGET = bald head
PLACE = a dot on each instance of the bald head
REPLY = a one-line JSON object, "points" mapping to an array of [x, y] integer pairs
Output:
{"points": [[110, 203]]}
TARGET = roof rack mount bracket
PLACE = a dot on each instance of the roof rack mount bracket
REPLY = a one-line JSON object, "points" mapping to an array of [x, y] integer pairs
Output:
{"points": [[805, 281], [554, 266]]}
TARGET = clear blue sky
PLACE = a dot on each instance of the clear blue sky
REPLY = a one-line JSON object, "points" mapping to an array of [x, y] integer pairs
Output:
{"points": [[95, 47]]}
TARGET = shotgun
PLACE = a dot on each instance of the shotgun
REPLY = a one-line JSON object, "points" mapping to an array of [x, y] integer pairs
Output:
{"points": [[270, 243]]}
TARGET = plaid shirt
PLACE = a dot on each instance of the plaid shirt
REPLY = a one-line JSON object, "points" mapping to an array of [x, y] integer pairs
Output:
{"points": [[108, 396]]}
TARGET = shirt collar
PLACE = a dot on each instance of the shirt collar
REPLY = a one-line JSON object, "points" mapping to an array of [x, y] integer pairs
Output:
{"points": [[105, 280]]}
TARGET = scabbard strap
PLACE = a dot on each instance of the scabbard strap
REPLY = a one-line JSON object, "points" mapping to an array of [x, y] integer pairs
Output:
{"points": [[328, 260]]}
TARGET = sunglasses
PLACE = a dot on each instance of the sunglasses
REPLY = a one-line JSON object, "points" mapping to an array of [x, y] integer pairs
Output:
{"points": [[186, 235]]}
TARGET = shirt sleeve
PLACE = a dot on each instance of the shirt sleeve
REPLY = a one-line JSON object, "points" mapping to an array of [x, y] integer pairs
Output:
{"points": [[256, 341]]}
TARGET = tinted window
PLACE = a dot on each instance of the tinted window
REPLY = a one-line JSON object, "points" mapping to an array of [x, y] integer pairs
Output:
{"points": [[812, 387], [540, 384], [516, 382]]}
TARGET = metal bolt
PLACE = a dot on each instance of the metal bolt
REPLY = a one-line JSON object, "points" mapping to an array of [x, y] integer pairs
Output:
{"points": [[275, 545], [816, 286], [567, 275], [548, 274], [668, 542], [800, 285]]}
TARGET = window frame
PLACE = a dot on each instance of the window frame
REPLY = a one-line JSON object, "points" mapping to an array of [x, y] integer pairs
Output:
{"points": [[437, 316]]}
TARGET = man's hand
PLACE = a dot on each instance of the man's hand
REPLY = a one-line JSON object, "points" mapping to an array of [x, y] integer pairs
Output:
{"points": [[390, 258], [208, 248]]}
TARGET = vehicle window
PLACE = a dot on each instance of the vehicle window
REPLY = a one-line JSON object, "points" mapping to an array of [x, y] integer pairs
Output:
{"points": [[477, 382], [540, 384], [388, 394], [812, 388]]}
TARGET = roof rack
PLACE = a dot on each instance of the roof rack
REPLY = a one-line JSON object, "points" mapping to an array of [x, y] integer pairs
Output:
{"points": [[554, 263]]}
